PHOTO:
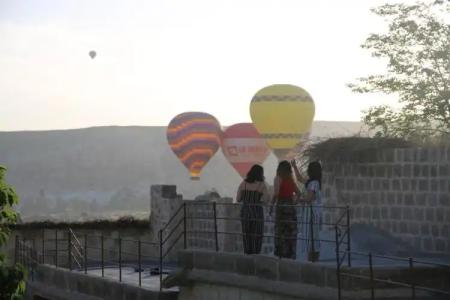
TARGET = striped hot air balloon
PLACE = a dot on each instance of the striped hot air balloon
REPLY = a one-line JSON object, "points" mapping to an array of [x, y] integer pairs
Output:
{"points": [[194, 137], [283, 115], [243, 147]]}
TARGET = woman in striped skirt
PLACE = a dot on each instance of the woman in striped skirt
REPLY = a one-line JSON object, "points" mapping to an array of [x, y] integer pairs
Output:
{"points": [[251, 193]]}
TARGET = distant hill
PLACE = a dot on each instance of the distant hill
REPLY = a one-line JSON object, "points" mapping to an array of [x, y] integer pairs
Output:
{"points": [[95, 162]]}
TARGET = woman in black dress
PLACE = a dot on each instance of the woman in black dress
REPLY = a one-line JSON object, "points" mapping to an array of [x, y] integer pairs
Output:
{"points": [[252, 193]]}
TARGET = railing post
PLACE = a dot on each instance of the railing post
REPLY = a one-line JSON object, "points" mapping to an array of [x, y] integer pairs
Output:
{"points": [[120, 259], [338, 264], [160, 259], [43, 246], [413, 286], [372, 287], [85, 253], [69, 249], [184, 226], [102, 259], [139, 262], [215, 226], [311, 224], [349, 259], [56, 248], [16, 249]]}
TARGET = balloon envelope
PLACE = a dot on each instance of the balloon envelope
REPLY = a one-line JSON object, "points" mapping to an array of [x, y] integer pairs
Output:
{"points": [[194, 137], [92, 54], [243, 147], [282, 114]]}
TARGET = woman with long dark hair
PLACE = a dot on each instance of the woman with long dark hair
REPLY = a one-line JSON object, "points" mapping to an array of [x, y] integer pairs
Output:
{"points": [[313, 212], [285, 193], [252, 192]]}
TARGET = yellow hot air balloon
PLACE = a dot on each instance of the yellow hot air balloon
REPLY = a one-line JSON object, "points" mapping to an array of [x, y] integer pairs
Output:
{"points": [[282, 114]]}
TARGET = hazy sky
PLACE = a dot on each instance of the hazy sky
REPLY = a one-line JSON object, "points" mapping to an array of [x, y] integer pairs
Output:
{"points": [[158, 58]]}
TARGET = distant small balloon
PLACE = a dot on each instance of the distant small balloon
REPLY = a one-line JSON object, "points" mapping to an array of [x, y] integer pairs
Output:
{"points": [[92, 54]]}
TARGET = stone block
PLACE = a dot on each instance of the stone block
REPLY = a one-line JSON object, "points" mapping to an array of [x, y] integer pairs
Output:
{"points": [[204, 260], [423, 185], [428, 244], [396, 171], [408, 213], [433, 171], [444, 170], [403, 227], [434, 185], [421, 199], [414, 185], [396, 213], [444, 199], [416, 171], [225, 262], [384, 212], [186, 259], [430, 214], [289, 271], [440, 245], [445, 230], [376, 184], [408, 155], [414, 228], [266, 267], [439, 215], [406, 170], [245, 265], [396, 185], [425, 171], [385, 184], [375, 212], [380, 171], [443, 185], [435, 230], [419, 214], [425, 229], [366, 212], [409, 199], [313, 274]]}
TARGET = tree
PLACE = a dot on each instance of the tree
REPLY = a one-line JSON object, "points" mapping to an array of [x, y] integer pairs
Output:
{"points": [[416, 49], [12, 278]]}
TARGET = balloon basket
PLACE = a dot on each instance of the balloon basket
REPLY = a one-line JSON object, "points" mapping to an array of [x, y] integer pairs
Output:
{"points": [[195, 178]]}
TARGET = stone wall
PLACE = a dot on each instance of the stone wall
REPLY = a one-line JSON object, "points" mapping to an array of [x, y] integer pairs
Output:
{"points": [[403, 191]]}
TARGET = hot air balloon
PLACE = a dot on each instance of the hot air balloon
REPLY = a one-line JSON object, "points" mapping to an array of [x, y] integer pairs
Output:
{"points": [[194, 137], [92, 54], [243, 147], [282, 114]]}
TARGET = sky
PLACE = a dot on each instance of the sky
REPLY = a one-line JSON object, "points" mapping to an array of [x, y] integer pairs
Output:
{"points": [[158, 58]]}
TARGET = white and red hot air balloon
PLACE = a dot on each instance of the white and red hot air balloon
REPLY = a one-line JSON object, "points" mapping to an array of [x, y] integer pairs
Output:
{"points": [[243, 147]]}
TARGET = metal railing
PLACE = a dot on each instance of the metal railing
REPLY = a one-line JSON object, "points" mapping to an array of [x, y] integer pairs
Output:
{"points": [[375, 280], [79, 251], [216, 223]]}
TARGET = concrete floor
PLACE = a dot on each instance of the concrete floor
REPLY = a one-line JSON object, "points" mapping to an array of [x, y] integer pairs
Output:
{"points": [[130, 276]]}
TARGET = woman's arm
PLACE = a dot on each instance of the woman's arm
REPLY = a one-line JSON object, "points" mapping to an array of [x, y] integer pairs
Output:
{"points": [[299, 176], [238, 194]]}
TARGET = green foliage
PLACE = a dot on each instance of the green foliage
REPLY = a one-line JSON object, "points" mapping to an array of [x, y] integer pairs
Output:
{"points": [[416, 49], [8, 198], [13, 281], [352, 148], [122, 222], [12, 278]]}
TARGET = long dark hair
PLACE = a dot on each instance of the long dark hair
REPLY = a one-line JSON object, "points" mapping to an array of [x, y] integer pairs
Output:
{"points": [[284, 170], [314, 173], [256, 173]]}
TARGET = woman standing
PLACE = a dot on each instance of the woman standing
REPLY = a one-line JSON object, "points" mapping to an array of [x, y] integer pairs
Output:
{"points": [[313, 212], [285, 193], [251, 193]]}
